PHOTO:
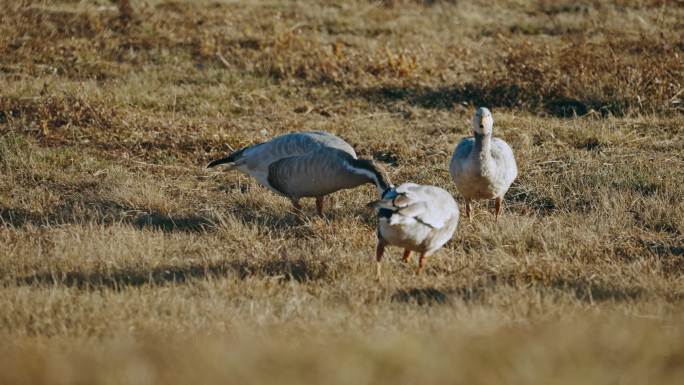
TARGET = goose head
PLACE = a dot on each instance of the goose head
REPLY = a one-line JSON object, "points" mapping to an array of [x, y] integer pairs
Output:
{"points": [[483, 122], [375, 173], [230, 162]]}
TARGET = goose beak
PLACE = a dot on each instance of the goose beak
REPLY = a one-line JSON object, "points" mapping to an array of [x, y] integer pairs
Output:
{"points": [[219, 163]]}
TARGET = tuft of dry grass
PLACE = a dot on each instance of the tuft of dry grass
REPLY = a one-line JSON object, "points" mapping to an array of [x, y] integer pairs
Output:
{"points": [[122, 260]]}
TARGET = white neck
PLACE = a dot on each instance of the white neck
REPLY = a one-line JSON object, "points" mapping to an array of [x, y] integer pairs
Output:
{"points": [[482, 150]]}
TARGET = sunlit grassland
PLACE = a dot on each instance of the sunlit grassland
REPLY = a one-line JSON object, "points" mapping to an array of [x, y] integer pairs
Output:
{"points": [[122, 260]]}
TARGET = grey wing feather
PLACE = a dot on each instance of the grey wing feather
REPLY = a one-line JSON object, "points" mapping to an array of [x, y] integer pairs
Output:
{"points": [[313, 174], [461, 153], [262, 155], [275, 177], [329, 140], [285, 175], [503, 156]]}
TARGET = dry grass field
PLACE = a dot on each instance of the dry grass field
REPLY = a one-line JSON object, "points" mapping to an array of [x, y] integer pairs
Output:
{"points": [[124, 261]]}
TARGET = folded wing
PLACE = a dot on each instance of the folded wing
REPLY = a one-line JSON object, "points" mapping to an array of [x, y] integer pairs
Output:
{"points": [[411, 203]]}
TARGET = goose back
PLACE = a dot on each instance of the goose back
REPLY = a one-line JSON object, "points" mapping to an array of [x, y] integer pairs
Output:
{"points": [[418, 217], [261, 156], [257, 159]]}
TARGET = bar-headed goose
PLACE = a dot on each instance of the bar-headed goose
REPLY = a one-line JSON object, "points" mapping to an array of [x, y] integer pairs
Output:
{"points": [[416, 217], [306, 164], [483, 167]]}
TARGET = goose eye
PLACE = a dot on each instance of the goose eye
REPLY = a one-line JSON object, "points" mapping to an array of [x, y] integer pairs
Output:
{"points": [[481, 125]]}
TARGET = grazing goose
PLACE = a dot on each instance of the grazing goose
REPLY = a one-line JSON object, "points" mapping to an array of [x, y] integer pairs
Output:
{"points": [[483, 167], [306, 164], [416, 217]]}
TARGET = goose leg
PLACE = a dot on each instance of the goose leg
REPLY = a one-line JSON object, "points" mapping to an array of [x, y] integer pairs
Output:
{"points": [[319, 205], [379, 251], [497, 209], [467, 209], [407, 254], [421, 263]]}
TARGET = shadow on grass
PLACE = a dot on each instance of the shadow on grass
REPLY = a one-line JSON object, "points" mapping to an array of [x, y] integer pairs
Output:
{"points": [[436, 98], [289, 224], [428, 296], [584, 291], [662, 249], [535, 201], [107, 213], [287, 270], [503, 95], [595, 292], [19, 217]]}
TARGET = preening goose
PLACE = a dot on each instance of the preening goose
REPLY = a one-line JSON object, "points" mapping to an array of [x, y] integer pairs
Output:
{"points": [[483, 167], [416, 217], [306, 164]]}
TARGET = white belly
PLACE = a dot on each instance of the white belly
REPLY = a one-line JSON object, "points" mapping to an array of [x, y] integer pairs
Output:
{"points": [[410, 236]]}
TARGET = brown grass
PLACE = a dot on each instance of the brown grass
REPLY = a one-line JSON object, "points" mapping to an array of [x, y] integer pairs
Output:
{"points": [[123, 261]]}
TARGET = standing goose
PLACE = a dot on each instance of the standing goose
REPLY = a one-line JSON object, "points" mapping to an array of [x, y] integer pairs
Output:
{"points": [[305, 164], [416, 217], [483, 167]]}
